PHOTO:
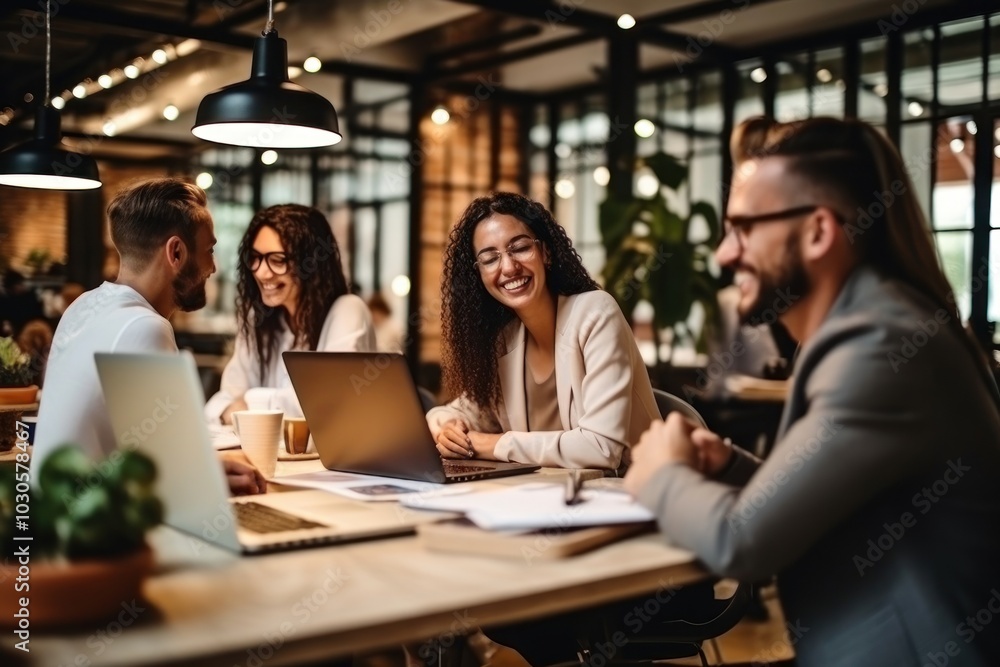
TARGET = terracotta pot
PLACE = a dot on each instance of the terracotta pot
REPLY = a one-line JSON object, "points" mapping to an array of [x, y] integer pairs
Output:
{"points": [[18, 395], [75, 593]]}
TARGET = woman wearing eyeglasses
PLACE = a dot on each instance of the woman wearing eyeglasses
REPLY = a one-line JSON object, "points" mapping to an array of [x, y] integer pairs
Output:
{"points": [[544, 365], [291, 295]]}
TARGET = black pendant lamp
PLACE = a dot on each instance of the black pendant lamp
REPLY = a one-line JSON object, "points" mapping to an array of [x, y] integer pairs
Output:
{"points": [[267, 110], [43, 162]]}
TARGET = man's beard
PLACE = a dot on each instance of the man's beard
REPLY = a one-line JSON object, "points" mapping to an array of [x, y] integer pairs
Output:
{"points": [[779, 290], [189, 290]]}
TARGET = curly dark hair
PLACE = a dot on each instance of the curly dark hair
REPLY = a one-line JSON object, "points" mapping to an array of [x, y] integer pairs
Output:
{"points": [[472, 320], [314, 258]]}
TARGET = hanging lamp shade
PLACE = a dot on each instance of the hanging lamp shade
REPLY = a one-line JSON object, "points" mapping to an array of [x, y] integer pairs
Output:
{"points": [[43, 162], [267, 110]]}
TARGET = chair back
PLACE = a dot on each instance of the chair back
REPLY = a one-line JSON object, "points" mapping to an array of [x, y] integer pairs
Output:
{"points": [[668, 403], [427, 399]]}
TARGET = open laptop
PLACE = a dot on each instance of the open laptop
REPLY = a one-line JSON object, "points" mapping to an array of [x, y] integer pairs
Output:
{"points": [[365, 416], [155, 402]]}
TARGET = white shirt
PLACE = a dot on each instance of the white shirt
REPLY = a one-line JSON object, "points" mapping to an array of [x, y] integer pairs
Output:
{"points": [[348, 328], [111, 318]]}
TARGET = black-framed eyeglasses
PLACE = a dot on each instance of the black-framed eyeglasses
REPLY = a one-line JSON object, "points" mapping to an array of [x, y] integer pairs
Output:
{"points": [[278, 262], [521, 251], [739, 225]]}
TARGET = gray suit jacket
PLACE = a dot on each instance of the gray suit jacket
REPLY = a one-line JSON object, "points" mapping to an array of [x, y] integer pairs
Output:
{"points": [[605, 398], [879, 507]]}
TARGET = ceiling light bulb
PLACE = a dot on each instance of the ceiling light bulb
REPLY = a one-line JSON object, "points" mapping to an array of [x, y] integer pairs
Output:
{"points": [[644, 128], [957, 145], [647, 185], [440, 116], [131, 71], [565, 188], [204, 180], [160, 57], [109, 128], [881, 89], [106, 81], [626, 21], [971, 127], [563, 150], [170, 112], [758, 75], [401, 285], [915, 108], [824, 75], [58, 102], [269, 157], [312, 64], [602, 176], [79, 91]]}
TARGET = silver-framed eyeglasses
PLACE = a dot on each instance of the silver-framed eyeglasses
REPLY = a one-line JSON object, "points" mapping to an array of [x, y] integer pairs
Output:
{"points": [[521, 251], [738, 226], [278, 262]]}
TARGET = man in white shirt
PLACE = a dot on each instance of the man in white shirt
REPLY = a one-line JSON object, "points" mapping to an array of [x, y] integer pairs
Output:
{"points": [[165, 236]]}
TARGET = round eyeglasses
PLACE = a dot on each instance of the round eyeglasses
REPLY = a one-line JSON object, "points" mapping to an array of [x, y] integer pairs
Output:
{"points": [[278, 262], [521, 251], [738, 226]]}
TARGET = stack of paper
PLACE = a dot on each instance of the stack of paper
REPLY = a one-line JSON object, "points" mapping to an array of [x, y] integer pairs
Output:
{"points": [[535, 506]]}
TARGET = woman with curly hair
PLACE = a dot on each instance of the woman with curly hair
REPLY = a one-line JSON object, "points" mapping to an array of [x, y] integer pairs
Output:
{"points": [[544, 365], [291, 295]]}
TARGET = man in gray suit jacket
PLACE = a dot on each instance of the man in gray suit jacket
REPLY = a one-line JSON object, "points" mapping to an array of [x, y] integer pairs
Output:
{"points": [[878, 508]]}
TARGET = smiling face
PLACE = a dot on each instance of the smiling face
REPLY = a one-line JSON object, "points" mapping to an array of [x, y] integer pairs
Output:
{"points": [[768, 261], [189, 284], [275, 290], [517, 280]]}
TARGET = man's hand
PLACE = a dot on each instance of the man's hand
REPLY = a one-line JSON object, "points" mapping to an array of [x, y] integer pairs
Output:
{"points": [[243, 478], [664, 442], [714, 453]]}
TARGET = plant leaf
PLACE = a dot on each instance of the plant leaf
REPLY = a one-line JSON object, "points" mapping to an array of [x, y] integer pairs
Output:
{"points": [[670, 171], [707, 211], [615, 219]]}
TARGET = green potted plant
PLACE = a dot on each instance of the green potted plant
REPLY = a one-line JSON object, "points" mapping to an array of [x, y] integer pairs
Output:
{"points": [[17, 391], [88, 554], [651, 257]]}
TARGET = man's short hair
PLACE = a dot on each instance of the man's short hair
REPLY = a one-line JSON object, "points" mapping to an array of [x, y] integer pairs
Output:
{"points": [[143, 216]]}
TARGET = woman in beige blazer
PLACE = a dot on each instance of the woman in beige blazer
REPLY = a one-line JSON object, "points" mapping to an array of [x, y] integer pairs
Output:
{"points": [[544, 365]]}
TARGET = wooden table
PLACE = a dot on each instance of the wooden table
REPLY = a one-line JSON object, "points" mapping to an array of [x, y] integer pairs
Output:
{"points": [[209, 607]]}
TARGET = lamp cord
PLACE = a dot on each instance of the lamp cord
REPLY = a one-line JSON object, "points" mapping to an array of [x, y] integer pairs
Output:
{"points": [[270, 18], [48, 49]]}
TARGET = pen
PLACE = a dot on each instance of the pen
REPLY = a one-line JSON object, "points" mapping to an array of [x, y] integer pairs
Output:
{"points": [[573, 485]]}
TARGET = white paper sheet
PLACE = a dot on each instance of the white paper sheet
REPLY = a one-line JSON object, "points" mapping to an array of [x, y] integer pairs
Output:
{"points": [[535, 506], [367, 487], [223, 437]]}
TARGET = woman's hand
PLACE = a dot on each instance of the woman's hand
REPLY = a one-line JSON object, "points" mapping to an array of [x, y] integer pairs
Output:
{"points": [[235, 406], [453, 441], [484, 444], [243, 478]]}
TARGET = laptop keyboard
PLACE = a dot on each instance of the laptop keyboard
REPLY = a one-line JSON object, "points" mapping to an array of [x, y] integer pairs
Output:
{"points": [[263, 519], [461, 469]]}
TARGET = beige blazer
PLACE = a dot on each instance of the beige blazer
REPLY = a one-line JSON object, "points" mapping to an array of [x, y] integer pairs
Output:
{"points": [[605, 398]]}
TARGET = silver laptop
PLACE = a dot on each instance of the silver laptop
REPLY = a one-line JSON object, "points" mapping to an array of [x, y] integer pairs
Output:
{"points": [[365, 416], [155, 402]]}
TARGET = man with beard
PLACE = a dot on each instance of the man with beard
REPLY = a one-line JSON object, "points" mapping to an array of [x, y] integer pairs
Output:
{"points": [[165, 236], [877, 508]]}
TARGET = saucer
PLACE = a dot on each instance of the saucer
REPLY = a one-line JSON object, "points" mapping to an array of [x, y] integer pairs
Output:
{"points": [[306, 456]]}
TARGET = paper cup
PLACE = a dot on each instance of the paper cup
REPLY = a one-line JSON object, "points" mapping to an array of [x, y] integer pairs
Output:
{"points": [[259, 432]]}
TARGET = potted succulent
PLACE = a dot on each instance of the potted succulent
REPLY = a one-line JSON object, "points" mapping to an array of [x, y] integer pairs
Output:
{"points": [[88, 554], [17, 374]]}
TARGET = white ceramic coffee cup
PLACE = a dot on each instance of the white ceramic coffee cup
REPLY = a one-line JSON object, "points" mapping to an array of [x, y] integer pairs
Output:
{"points": [[259, 432]]}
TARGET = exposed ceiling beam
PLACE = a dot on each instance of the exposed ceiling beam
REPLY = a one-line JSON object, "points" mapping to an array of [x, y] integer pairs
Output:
{"points": [[500, 59], [138, 22], [700, 10], [567, 14], [653, 34], [472, 46]]}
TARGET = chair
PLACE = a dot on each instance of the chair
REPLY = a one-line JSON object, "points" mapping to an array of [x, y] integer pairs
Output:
{"points": [[667, 640], [427, 399], [668, 403]]}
